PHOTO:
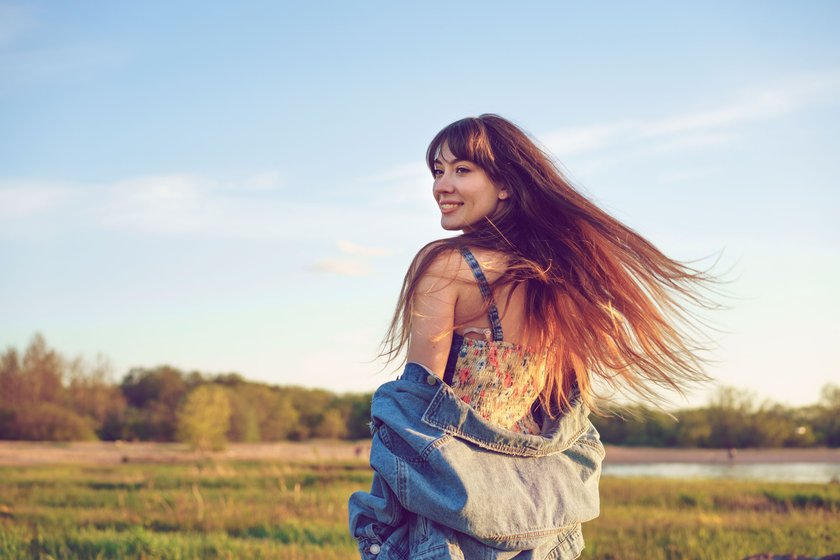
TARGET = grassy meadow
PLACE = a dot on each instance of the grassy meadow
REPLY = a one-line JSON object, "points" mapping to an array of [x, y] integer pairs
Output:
{"points": [[296, 510]]}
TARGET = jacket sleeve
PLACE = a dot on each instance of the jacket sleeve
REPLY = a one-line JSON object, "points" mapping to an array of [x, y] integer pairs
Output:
{"points": [[376, 519]]}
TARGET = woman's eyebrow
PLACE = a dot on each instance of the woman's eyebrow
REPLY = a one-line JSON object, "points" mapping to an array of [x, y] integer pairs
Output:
{"points": [[453, 162]]}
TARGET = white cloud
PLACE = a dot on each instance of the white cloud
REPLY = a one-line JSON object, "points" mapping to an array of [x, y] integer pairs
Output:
{"points": [[20, 200], [342, 267], [588, 138], [704, 127], [264, 181], [188, 205], [395, 202], [357, 264], [158, 204], [354, 249], [399, 172]]}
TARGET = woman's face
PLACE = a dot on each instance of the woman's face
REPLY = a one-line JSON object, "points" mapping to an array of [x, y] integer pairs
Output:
{"points": [[463, 191]]}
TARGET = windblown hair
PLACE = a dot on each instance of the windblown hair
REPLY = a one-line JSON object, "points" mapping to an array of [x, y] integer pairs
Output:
{"points": [[603, 300]]}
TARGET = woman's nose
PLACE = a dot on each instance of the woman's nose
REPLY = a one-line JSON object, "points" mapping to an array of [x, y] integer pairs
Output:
{"points": [[442, 185]]}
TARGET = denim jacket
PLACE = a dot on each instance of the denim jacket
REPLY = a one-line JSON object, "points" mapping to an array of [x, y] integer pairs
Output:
{"points": [[449, 485]]}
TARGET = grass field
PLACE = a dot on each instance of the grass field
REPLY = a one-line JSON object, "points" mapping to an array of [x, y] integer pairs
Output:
{"points": [[265, 509]]}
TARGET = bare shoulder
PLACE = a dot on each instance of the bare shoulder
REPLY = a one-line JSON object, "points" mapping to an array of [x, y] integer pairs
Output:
{"points": [[445, 268], [493, 263], [448, 267]]}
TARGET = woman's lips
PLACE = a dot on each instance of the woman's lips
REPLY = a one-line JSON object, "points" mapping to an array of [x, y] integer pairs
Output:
{"points": [[449, 207]]}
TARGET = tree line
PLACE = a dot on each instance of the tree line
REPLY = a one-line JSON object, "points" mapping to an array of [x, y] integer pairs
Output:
{"points": [[45, 396], [733, 419]]}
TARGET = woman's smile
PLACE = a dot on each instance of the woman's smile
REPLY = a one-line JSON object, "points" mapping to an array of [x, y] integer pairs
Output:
{"points": [[463, 191], [449, 207]]}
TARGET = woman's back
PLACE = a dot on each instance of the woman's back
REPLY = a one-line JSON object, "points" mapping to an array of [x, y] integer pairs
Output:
{"points": [[500, 376], [470, 308]]}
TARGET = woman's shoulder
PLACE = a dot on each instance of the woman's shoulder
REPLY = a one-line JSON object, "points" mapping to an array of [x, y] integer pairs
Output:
{"points": [[446, 260], [440, 259]]}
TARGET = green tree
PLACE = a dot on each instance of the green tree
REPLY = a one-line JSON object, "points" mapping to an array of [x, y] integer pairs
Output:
{"points": [[730, 416], [282, 421], [48, 422], [356, 408], [244, 415], [827, 416], [153, 396], [333, 425], [694, 429], [91, 392], [43, 370], [204, 418]]}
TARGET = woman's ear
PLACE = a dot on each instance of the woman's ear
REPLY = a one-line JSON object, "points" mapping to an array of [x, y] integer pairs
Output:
{"points": [[503, 195]]}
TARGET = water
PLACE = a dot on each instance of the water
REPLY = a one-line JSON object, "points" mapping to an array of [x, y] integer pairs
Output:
{"points": [[773, 472]]}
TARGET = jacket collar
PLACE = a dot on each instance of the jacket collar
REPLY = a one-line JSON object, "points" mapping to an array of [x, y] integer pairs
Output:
{"points": [[449, 413]]}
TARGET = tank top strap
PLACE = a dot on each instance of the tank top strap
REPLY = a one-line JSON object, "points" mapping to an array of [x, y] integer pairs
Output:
{"points": [[486, 292]]}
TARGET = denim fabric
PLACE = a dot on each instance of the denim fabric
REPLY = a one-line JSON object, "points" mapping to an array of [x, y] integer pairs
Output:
{"points": [[448, 484]]}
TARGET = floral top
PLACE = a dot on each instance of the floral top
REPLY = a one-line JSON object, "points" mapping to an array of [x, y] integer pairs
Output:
{"points": [[500, 380]]}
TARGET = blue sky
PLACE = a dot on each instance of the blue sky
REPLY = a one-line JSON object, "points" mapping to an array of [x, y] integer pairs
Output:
{"points": [[240, 187]]}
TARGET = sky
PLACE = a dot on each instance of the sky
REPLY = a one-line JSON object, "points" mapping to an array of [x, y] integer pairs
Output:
{"points": [[240, 187]]}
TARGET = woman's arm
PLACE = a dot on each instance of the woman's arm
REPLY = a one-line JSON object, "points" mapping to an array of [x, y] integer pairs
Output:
{"points": [[433, 315]]}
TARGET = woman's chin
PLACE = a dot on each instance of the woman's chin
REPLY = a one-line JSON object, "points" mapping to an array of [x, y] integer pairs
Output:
{"points": [[451, 226]]}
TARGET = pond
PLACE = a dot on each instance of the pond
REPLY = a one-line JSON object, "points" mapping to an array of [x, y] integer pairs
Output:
{"points": [[775, 472]]}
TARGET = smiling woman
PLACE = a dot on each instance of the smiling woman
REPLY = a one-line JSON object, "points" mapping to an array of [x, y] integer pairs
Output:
{"points": [[483, 447], [463, 191]]}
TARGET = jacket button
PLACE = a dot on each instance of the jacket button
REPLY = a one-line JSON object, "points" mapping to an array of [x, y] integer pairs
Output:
{"points": [[374, 549], [431, 380]]}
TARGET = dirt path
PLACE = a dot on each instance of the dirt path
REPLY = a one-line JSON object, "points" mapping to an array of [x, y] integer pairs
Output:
{"points": [[42, 453], [101, 452]]}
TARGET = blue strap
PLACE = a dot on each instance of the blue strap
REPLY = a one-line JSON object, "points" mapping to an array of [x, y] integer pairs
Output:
{"points": [[484, 286]]}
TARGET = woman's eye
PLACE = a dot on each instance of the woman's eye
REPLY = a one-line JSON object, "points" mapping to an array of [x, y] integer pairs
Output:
{"points": [[463, 170], [437, 172]]}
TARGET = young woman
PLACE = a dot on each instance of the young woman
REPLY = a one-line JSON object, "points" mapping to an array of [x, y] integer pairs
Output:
{"points": [[483, 448]]}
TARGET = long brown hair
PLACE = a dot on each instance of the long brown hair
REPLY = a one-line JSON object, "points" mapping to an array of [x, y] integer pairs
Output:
{"points": [[607, 303]]}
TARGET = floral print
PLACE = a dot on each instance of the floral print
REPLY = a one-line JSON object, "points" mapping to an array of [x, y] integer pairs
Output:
{"points": [[500, 381]]}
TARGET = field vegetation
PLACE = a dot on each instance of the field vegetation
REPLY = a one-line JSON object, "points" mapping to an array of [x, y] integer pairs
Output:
{"points": [[45, 396], [286, 510]]}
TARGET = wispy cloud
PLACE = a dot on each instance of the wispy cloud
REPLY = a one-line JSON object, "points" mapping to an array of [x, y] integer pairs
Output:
{"points": [[715, 125], [254, 206], [356, 263], [400, 172], [19, 200], [265, 181], [354, 249], [342, 267]]}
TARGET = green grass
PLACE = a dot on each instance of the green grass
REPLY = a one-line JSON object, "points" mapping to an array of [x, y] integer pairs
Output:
{"points": [[297, 511], [660, 519]]}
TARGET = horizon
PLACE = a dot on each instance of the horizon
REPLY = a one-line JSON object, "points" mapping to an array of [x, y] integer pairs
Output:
{"points": [[241, 189]]}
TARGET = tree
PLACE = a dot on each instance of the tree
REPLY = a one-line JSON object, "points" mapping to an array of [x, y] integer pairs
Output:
{"points": [[731, 412], [153, 396], [11, 380], [282, 421], [333, 425], [48, 422], [92, 393], [827, 416], [43, 369], [245, 414], [204, 418]]}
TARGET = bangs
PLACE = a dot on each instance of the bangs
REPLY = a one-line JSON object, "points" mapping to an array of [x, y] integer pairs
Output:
{"points": [[467, 139]]}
